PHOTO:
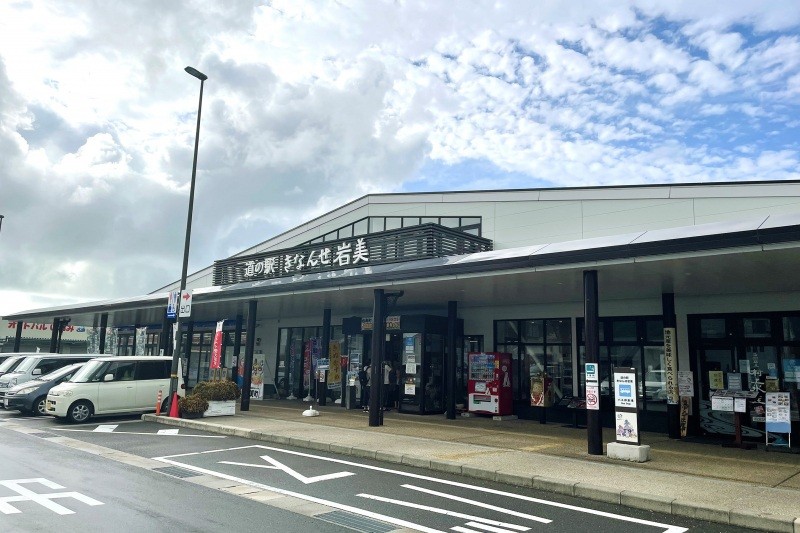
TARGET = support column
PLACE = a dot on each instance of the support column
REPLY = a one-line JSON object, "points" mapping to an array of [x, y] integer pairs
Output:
{"points": [[103, 327], [54, 335], [376, 363], [591, 335], [166, 336], [237, 342], [18, 336], [322, 388], [450, 363], [62, 323], [673, 401], [248, 354]]}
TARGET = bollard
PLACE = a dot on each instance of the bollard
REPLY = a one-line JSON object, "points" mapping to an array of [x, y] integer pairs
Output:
{"points": [[158, 403]]}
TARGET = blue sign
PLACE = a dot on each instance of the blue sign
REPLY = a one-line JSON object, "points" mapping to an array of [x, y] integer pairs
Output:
{"points": [[626, 391], [172, 304]]}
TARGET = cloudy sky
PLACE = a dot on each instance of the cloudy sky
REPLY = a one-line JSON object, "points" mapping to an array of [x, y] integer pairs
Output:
{"points": [[311, 104]]}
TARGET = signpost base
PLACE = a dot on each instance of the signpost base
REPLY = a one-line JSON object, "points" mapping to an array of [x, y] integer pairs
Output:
{"points": [[628, 452]]}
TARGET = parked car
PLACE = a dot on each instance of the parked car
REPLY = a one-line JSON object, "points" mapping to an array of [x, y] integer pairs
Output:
{"points": [[31, 396], [38, 365], [13, 362], [111, 385]]}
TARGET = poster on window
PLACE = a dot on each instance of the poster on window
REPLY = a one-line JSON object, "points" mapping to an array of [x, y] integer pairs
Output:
{"points": [[627, 427]]}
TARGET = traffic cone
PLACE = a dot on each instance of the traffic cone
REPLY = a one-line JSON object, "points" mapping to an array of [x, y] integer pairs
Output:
{"points": [[158, 403], [173, 407]]}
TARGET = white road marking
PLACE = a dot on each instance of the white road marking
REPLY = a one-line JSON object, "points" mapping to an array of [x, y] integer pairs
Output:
{"points": [[484, 527], [167, 432], [667, 527], [105, 428], [306, 497], [477, 503], [276, 465], [447, 512], [140, 433], [44, 500]]}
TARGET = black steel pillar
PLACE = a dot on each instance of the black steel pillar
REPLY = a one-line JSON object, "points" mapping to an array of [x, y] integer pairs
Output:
{"points": [[54, 335], [164, 340], [61, 325], [18, 336], [450, 363], [594, 428], [237, 342], [103, 327], [376, 363], [673, 409], [322, 387], [248, 354]]}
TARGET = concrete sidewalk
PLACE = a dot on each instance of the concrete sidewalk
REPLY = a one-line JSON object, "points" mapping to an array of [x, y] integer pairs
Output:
{"points": [[749, 488]]}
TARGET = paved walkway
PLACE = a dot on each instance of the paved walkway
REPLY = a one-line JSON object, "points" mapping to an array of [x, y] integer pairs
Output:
{"points": [[750, 488]]}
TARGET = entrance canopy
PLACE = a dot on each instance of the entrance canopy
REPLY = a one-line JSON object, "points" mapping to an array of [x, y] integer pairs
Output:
{"points": [[751, 256]]}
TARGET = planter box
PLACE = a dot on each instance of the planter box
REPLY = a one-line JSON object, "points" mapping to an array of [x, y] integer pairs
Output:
{"points": [[191, 415], [226, 408]]}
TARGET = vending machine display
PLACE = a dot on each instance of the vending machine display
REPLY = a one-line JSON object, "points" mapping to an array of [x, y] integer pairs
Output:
{"points": [[489, 384]]}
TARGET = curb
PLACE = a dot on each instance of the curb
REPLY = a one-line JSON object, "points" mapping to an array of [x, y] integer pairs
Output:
{"points": [[643, 501]]}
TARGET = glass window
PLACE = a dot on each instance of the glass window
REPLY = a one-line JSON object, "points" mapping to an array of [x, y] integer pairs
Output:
{"points": [[470, 221], [377, 224], [791, 328], [507, 331], [429, 220], [451, 222], [122, 370], [393, 223], [533, 331], [332, 236], [654, 330], [346, 232], [559, 330], [756, 327], [361, 227], [153, 370], [624, 330], [410, 221], [712, 328], [559, 368]]}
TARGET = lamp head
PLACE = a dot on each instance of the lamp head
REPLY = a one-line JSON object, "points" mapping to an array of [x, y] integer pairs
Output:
{"points": [[196, 73]]}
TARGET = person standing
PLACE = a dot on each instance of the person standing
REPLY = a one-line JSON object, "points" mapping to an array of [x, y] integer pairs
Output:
{"points": [[365, 378], [387, 386]]}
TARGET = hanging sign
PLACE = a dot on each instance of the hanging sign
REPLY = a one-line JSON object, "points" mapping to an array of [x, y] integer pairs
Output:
{"points": [[685, 383], [185, 305], [172, 304], [216, 352], [593, 397], [671, 366], [591, 372]]}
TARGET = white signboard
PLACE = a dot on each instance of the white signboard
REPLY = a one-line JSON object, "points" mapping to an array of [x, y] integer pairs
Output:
{"points": [[740, 405], [625, 389], [778, 413], [685, 383], [411, 368], [593, 397], [410, 388], [627, 427], [185, 309], [591, 372], [722, 403]]}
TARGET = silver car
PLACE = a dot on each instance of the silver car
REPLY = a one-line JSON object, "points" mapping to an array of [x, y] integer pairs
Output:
{"points": [[30, 397]]}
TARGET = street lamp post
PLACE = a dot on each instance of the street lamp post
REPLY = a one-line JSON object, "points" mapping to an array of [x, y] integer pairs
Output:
{"points": [[173, 383], [1, 221]]}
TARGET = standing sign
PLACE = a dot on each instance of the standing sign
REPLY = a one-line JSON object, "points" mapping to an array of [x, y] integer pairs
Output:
{"points": [[216, 352], [626, 405], [257, 377], [185, 309], [671, 366], [778, 415], [172, 304]]}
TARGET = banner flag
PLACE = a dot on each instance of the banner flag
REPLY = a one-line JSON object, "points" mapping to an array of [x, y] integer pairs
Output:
{"points": [[216, 353]]}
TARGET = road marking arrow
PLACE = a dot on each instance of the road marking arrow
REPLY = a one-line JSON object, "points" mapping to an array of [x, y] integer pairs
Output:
{"points": [[277, 465]]}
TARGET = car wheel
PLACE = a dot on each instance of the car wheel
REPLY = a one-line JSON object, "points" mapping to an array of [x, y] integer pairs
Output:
{"points": [[79, 411], [39, 406]]}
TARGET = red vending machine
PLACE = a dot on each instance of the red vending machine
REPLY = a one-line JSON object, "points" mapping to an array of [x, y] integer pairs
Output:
{"points": [[489, 385]]}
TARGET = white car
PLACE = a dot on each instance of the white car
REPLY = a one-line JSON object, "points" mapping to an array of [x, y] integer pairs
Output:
{"points": [[112, 385]]}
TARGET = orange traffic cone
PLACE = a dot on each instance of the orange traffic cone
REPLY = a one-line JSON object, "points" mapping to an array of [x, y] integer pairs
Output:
{"points": [[173, 407]]}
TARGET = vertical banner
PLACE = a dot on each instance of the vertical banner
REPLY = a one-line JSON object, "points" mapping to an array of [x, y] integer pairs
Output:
{"points": [[111, 341], [141, 340], [307, 366], [216, 351], [671, 366], [257, 377], [335, 369], [686, 407]]}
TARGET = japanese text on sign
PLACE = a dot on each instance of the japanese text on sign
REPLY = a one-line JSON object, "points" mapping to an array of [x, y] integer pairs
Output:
{"points": [[342, 255], [671, 366]]}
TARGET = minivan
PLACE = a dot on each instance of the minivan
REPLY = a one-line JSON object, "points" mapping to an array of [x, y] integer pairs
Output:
{"points": [[30, 397], [38, 365], [111, 385], [14, 360]]}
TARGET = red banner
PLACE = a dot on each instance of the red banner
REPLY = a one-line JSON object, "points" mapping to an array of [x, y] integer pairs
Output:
{"points": [[216, 352]]}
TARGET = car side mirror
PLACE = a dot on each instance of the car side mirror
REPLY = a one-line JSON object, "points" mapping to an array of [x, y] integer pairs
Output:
{"points": [[109, 377], [36, 372]]}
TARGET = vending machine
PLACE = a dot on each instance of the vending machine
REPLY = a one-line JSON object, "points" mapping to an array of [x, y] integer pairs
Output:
{"points": [[489, 384]]}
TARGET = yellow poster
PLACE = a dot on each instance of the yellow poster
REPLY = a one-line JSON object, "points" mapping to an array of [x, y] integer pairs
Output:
{"points": [[715, 380], [335, 369]]}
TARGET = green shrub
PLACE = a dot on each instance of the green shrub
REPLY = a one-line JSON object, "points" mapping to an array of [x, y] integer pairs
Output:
{"points": [[193, 404], [217, 391]]}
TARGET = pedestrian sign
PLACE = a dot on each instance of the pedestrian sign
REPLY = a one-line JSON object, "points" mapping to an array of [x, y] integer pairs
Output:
{"points": [[172, 304], [185, 309]]}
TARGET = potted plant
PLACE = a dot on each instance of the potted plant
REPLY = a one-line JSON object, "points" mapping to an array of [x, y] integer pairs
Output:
{"points": [[193, 406], [220, 395]]}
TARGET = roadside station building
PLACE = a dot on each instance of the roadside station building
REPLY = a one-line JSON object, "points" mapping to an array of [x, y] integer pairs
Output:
{"points": [[715, 266]]}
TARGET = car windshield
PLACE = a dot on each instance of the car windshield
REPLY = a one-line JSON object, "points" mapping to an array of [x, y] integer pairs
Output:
{"points": [[60, 373], [10, 364], [27, 364], [91, 371]]}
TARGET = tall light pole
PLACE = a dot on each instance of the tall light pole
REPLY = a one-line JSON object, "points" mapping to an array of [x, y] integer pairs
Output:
{"points": [[173, 383], [1, 221]]}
